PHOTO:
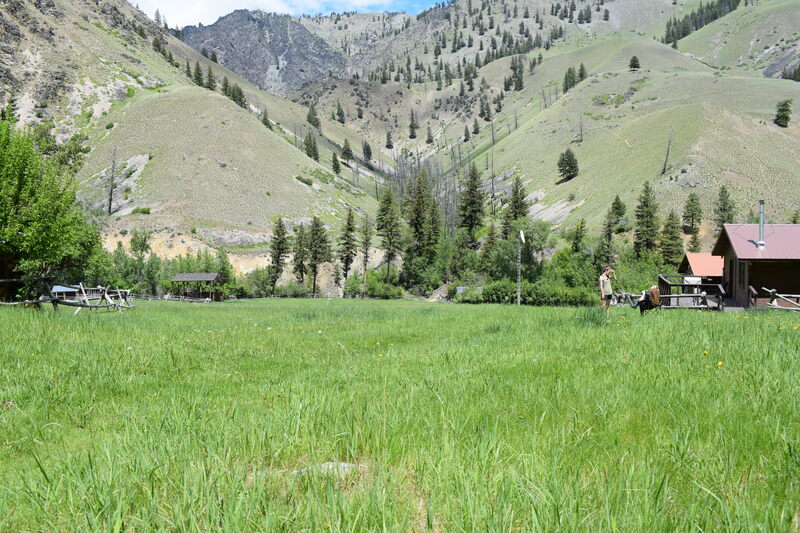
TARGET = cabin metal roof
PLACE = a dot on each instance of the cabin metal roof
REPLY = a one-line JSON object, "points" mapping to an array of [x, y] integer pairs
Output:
{"points": [[702, 264], [782, 241]]}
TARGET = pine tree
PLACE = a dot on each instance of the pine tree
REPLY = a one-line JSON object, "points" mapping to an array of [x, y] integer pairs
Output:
{"points": [[339, 112], [423, 225], [671, 243], [725, 210], [604, 252], [476, 129], [518, 205], [265, 119], [388, 226], [389, 145], [188, 70], [581, 73], [466, 133], [634, 63], [578, 236], [347, 152], [348, 245], [319, 250], [784, 113], [429, 137], [570, 79], [366, 151], [226, 86], [278, 251], [692, 213], [197, 76], [335, 164], [214, 56], [618, 207], [211, 80], [567, 165], [300, 251], [312, 117], [694, 242], [310, 146], [470, 208], [365, 243], [487, 250], [645, 235], [412, 126]]}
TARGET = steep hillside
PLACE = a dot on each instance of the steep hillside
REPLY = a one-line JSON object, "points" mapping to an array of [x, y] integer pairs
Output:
{"points": [[762, 37], [274, 52], [204, 167]]}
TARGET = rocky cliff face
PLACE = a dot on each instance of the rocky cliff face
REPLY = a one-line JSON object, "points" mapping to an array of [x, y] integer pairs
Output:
{"points": [[274, 52]]}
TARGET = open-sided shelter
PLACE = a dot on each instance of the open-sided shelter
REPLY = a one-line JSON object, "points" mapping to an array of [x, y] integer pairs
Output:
{"points": [[198, 285]]}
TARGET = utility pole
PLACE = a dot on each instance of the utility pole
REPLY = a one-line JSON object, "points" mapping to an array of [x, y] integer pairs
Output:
{"points": [[520, 241], [111, 179]]}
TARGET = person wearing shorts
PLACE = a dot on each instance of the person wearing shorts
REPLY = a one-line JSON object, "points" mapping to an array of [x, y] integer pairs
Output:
{"points": [[606, 292]]}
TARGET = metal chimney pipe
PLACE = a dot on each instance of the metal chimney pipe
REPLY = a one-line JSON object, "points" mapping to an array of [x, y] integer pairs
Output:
{"points": [[761, 244]]}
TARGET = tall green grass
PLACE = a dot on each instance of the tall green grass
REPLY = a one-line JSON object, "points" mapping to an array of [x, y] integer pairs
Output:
{"points": [[459, 418]]}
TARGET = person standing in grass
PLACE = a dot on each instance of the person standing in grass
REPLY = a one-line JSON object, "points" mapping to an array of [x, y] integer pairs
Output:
{"points": [[605, 287]]}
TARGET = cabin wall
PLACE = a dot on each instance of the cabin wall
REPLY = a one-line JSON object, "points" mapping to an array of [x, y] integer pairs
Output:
{"points": [[783, 276]]}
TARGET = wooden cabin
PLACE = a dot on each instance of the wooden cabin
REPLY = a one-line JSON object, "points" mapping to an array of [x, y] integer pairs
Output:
{"points": [[758, 257]]}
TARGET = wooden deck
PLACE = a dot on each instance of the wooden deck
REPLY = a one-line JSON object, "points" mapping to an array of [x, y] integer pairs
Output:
{"points": [[676, 293]]}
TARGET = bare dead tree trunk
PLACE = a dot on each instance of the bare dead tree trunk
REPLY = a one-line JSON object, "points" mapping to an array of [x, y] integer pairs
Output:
{"points": [[492, 133], [666, 158], [111, 179], [581, 134]]}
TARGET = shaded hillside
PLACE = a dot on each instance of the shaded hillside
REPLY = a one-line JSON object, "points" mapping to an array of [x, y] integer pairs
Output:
{"points": [[274, 52]]}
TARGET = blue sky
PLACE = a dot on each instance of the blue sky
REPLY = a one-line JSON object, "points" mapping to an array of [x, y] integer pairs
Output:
{"points": [[185, 12]]}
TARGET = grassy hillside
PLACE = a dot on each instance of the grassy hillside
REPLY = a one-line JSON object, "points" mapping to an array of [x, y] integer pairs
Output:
{"points": [[360, 415], [191, 156], [762, 37]]}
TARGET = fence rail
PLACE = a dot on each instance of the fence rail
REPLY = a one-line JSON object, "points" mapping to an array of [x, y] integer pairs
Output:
{"points": [[79, 297]]}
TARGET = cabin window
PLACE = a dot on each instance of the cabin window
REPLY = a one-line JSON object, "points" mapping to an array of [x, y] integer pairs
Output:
{"points": [[740, 275]]}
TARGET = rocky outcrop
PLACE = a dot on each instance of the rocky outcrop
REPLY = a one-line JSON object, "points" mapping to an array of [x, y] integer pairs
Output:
{"points": [[274, 52]]}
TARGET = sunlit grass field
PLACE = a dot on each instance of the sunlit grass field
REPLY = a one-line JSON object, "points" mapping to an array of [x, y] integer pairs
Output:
{"points": [[222, 417]]}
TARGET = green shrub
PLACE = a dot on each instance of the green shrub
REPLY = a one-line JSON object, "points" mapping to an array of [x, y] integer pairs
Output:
{"points": [[303, 179], [292, 289], [352, 286], [109, 125], [141, 211], [505, 292], [470, 295], [376, 285]]}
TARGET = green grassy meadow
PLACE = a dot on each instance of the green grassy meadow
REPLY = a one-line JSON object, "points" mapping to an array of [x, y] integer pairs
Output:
{"points": [[455, 418]]}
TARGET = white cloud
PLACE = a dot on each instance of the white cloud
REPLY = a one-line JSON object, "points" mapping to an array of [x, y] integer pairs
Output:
{"points": [[186, 12]]}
